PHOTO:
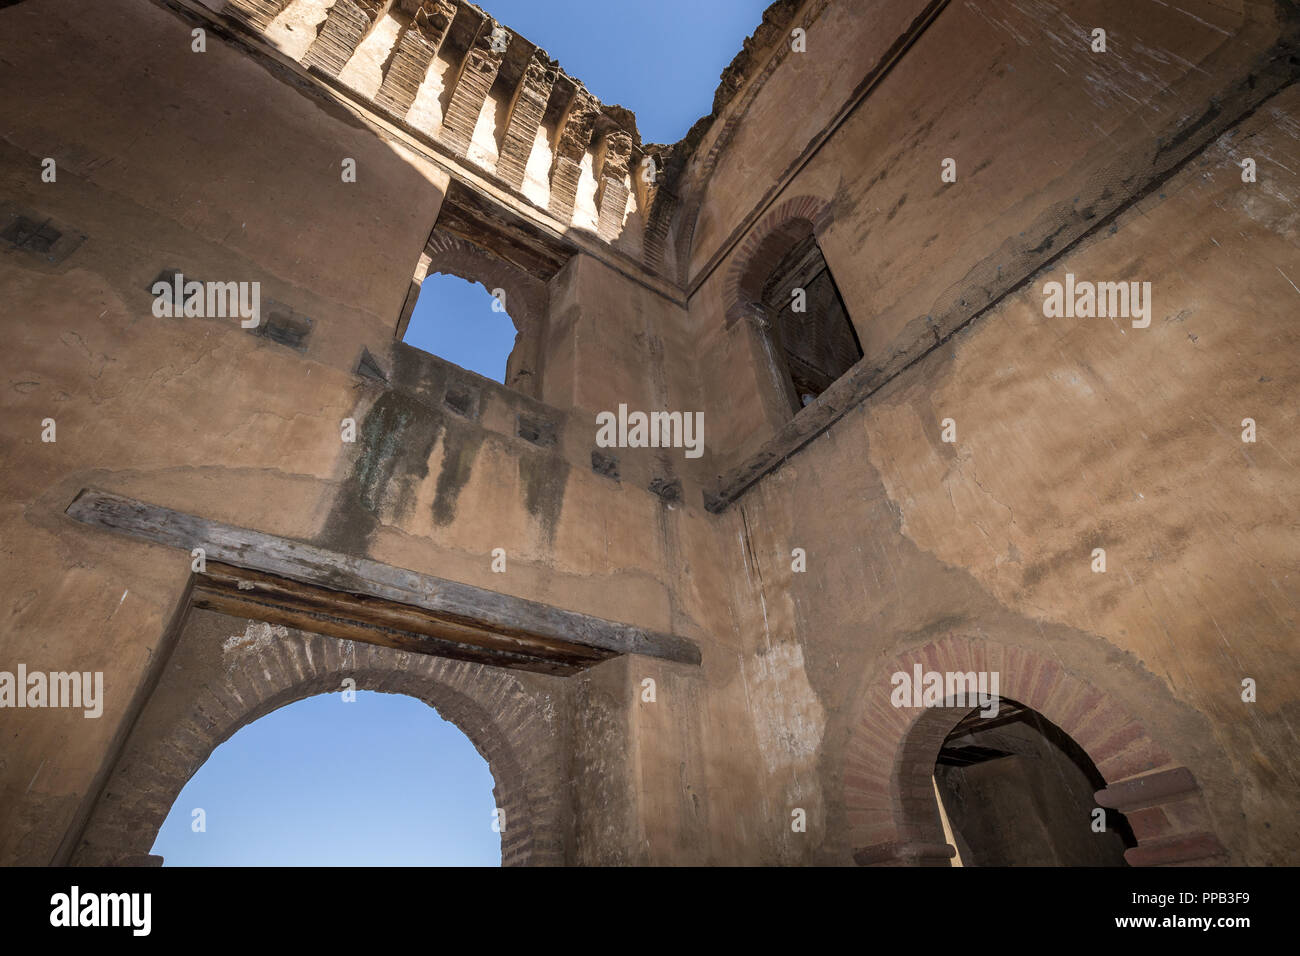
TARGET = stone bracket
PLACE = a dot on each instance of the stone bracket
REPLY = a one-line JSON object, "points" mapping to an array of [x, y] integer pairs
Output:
{"points": [[525, 117], [478, 71], [346, 24], [257, 13], [413, 54]]}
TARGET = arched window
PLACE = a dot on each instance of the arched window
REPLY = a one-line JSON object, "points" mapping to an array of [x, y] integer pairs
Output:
{"points": [[779, 283], [475, 309], [809, 324], [338, 780], [463, 323]]}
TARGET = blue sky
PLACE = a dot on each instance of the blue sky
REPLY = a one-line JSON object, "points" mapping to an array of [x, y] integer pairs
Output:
{"points": [[380, 781], [661, 60], [454, 319], [663, 64]]}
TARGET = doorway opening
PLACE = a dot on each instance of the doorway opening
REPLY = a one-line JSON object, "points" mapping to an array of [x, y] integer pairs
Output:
{"points": [[1015, 790], [352, 778]]}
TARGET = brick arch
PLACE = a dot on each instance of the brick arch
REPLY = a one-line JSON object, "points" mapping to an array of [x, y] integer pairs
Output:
{"points": [[760, 253], [526, 296], [890, 811], [506, 723], [527, 299]]}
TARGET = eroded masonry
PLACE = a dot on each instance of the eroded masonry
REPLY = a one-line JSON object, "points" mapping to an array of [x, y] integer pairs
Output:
{"points": [[913, 478]]}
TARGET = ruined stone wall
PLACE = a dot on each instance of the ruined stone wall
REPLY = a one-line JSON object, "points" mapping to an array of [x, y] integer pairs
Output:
{"points": [[229, 169], [1048, 139], [1071, 434]]}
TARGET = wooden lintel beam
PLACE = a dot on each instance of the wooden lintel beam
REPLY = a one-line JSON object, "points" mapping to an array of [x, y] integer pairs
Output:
{"points": [[368, 633], [245, 593], [429, 612]]}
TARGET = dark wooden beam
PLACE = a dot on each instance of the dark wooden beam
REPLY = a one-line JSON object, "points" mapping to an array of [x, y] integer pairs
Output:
{"points": [[281, 580], [254, 594]]}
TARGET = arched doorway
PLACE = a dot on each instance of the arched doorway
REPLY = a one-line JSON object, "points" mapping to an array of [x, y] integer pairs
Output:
{"points": [[351, 778], [225, 673], [892, 814], [1015, 790]]}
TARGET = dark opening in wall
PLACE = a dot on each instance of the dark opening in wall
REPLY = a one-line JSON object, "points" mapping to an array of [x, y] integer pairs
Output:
{"points": [[26, 234], [461, 399], [35, 234], [537, 431], [810, 326], [1016, 790], [669, 489], [284, 325], [603, 464]]}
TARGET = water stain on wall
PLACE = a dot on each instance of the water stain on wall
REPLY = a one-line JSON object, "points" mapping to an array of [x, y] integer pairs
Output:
{"points": [[391, 459], [459, 449], [544, 477]]}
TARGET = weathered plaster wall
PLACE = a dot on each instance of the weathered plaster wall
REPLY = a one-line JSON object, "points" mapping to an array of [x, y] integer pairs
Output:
{"points": [[234, 175], [1072, 434], [611, 340], [1048, 137], [793, 105]]}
